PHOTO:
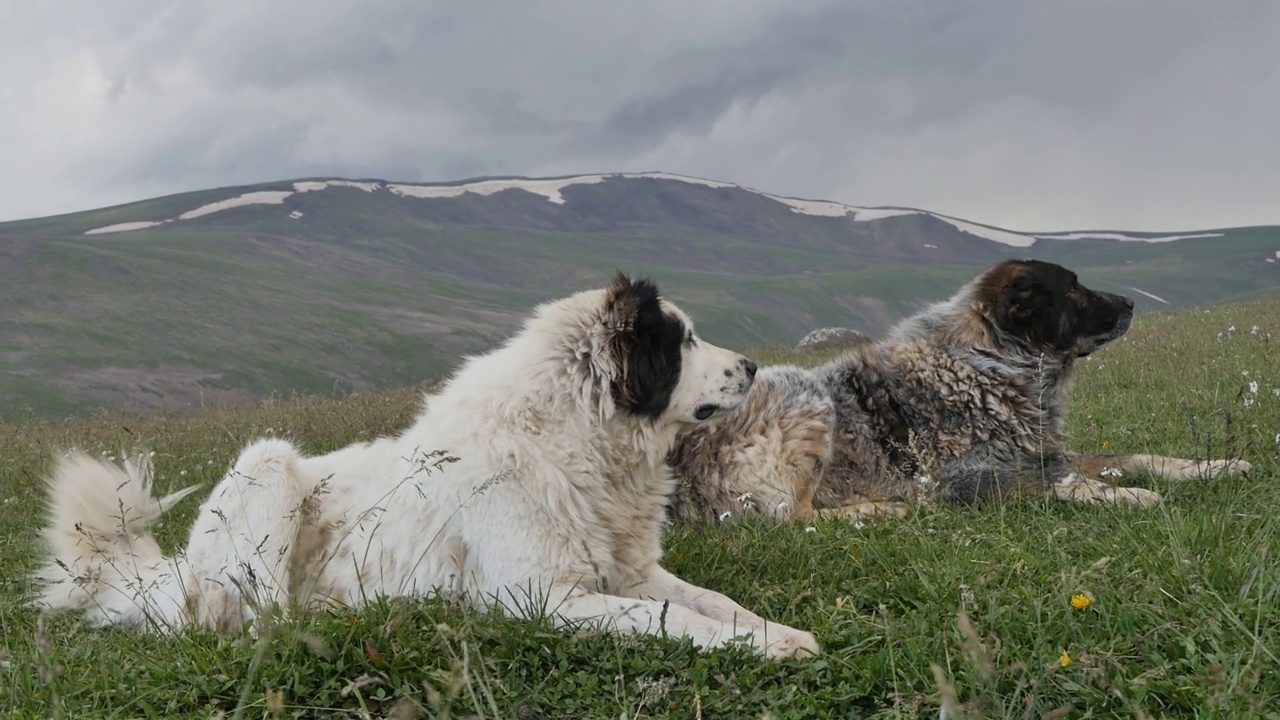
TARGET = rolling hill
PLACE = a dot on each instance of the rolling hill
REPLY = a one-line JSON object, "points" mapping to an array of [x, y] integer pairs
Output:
{"points": [[333, 286]]}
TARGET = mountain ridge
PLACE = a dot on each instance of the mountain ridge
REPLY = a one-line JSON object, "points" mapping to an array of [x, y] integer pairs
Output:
{"points": [[327, 285], [550, 188]]}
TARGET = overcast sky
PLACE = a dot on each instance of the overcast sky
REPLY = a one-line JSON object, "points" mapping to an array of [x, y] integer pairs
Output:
{"points": [[1028, 114]]}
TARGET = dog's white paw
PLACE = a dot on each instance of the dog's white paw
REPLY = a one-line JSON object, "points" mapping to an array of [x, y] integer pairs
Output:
{"points": [[1210, 469], [1082, 489], [1184, 470], [1135, 497], [784, 642]]}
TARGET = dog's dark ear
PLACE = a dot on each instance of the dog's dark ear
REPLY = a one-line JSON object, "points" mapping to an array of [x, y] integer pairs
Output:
{"points": [[645, 343], [623, 300], [1024, 295], [1033, 305]]}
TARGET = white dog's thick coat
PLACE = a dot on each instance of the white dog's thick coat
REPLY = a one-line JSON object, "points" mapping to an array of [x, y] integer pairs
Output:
{"points": [[525, 484]]}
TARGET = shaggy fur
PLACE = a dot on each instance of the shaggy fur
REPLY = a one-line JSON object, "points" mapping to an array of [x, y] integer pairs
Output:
{"points": [[963, 402], [533, 483]]}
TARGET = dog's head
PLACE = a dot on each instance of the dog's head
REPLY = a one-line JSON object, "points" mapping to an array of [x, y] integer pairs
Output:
{"points": [[1044, 307], [661, 369]]}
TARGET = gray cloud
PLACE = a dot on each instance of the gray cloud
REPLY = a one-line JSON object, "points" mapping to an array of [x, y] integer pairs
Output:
{"points": [[1028, 115]]}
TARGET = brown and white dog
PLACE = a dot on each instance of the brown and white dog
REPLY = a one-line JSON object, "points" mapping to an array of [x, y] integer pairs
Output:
{"points": [[962, 402]]}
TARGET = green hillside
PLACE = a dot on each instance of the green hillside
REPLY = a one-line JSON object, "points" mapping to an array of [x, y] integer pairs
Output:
{"points": [[344, 290]]}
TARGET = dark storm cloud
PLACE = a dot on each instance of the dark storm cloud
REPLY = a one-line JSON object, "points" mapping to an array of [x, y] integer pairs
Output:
{"points": [[1031, 115]]}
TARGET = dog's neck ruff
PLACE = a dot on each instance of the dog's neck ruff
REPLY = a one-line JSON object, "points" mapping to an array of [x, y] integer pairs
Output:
{"points": [[543, 386], [961, 328]]}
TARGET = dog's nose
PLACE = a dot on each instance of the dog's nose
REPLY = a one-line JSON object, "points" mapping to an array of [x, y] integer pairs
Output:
{"points": [[1128, 301], [750, 367]]}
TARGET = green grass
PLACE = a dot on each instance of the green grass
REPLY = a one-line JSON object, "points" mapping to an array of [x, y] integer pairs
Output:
{"points": [[967, 608]]}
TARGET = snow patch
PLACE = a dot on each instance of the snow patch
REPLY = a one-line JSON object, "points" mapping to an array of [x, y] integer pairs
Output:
{"points": [[869, 214], [295, 214], [820, 208], [125, 227], [994, 234], [932, 247], [549, 189], [262, 197], [315, 185], [1086, 236], [1171, 238], [365, 186], [1157, 298], [679, 178], [1124, 238]]}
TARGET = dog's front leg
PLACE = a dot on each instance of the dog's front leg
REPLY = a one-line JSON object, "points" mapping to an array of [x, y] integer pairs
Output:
{"points": [[863, 509], [614, 613], [660, 584], [1107, 467], [1083, 489]]}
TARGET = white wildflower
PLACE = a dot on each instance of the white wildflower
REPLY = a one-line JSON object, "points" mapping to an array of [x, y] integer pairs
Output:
{"points": [[1112, 472], [858, 524], [1253, 330], [1248, 402], [1253, 387], [182, 473], [812, 529], [725, 515]]}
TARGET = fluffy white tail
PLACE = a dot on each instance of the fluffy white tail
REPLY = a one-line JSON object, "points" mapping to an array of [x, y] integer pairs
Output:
{"points": [[101, 556]]}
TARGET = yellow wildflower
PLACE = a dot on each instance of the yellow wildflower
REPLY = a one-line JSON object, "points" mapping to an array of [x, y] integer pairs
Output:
{"points": [[1064, 660], [1106, 444], [1081, 601]]}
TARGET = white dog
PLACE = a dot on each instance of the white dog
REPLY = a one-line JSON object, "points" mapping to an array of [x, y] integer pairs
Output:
{"points": [[534, 482]]}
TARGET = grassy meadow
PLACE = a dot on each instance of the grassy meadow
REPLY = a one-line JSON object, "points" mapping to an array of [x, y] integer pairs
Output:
{"points": [[971, 610]]}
